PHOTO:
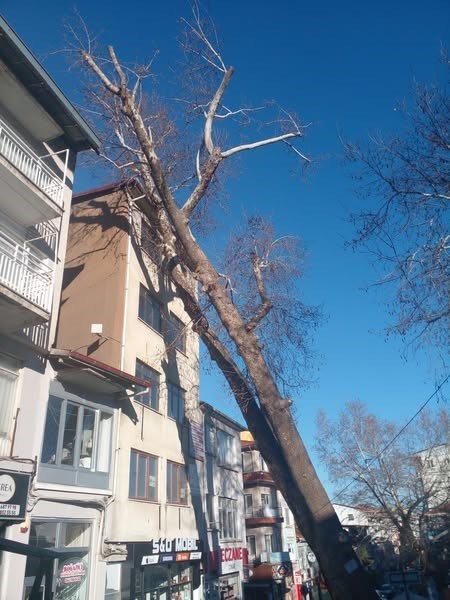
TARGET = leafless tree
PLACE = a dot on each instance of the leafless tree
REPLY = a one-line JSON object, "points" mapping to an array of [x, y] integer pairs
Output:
{"points": [[401, 480], [405, 176], [236, 305]]}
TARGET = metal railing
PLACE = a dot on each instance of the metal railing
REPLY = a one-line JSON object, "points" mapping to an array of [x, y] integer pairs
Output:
{"points": [[25, 273], [263, 511], [14, 149]]}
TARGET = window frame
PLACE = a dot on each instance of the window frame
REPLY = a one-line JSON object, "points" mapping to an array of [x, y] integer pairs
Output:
{"points": [[56, 468], [153, 394], [176, 333], [146, 299], [9, 370], [146, 242], [251, 545], [226, 453], [181, 484], [149, 458], [228, 518], [178, 414]]}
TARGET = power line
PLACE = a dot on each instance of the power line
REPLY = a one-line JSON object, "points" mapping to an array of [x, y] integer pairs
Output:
{"points": [[389, 444]]}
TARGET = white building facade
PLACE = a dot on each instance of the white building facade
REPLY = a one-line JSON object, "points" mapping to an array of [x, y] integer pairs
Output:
{"points": [[40, 136]]}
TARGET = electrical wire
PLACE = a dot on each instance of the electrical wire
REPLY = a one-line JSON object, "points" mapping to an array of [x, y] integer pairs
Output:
{"points": [[389, 444]]}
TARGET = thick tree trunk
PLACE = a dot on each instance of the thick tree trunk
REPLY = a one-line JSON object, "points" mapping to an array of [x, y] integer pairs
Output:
{"points": [[274, 430], [266, 413]]}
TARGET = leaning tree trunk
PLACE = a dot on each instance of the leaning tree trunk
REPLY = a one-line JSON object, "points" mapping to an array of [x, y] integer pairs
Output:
{"points": [[276, 435], [265, 411]]}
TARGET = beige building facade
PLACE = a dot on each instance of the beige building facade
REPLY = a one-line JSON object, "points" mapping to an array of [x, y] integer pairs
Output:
{"points": [[120, 310]]}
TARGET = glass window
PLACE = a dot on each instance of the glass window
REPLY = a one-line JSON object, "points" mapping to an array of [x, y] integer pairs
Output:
{"points": [[251, 545], [149, 309], [225, 448], [176, 333], [268, 538], [176, 483], [143, 483], [8, 382], [78, 439], [175, 402], [60, 534], [228, 518], [150, 398], [248, 505], [148, 244]]}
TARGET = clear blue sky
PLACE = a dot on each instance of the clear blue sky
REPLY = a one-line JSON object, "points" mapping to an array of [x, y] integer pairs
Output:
{"points": [[341, 65]]}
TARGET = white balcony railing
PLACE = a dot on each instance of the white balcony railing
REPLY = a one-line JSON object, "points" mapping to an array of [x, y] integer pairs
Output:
{"points": [[25, 273], [30, 164]]}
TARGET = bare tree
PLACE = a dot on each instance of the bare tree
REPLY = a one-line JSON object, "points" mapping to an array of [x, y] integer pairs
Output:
{"points": [[402, 480], [406, 228], [229, 317]]}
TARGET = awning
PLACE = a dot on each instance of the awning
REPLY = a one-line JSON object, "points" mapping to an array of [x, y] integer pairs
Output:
{"points": [[93, 374]]}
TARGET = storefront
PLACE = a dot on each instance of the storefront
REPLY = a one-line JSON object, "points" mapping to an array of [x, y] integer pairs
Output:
{"points": [[224, 580], [67, 576], [165, 569]]}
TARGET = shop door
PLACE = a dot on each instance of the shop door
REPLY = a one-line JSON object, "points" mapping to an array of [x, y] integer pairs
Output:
{"points": [[164, 582]]}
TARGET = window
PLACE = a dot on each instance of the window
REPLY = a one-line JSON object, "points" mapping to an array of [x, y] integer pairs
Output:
{"points": [[77, 441], [248, 499], [247, 462], [225, 448], [8, 381], [268, 543], [176, 333], [210, 435], [150, 398], [176, 483], [251, 546], [60, 534], [149, 309], [148, 244], [143, 476], [228, 518], [175, 402], [265, 499]]}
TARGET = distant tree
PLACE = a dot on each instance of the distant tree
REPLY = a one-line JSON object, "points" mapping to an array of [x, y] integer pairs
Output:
{"points": [[406, 175], [235, 305], [401, 480]]}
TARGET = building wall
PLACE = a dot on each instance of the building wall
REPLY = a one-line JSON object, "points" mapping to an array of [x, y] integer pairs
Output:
{"points": [[94, 279], [28, 348]]}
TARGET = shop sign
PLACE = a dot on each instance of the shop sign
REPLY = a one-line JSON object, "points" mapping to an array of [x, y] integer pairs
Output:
{"points": [[197, 441], [282, 570], [71, 575], [231, 559], [13, 495], [165, 550]]}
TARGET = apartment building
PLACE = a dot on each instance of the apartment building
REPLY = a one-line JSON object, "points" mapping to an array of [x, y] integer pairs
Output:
{"points": [[120, 310], [40, 136], [224, 498], [270, 529]]}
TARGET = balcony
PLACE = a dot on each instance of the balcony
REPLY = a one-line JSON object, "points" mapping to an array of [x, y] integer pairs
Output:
{"points": [[265, 515], [25, 177], [26, 285], [258, 478]]}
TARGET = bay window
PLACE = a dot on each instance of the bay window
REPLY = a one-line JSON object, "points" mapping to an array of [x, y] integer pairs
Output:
{"points": [[76, 449]]}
